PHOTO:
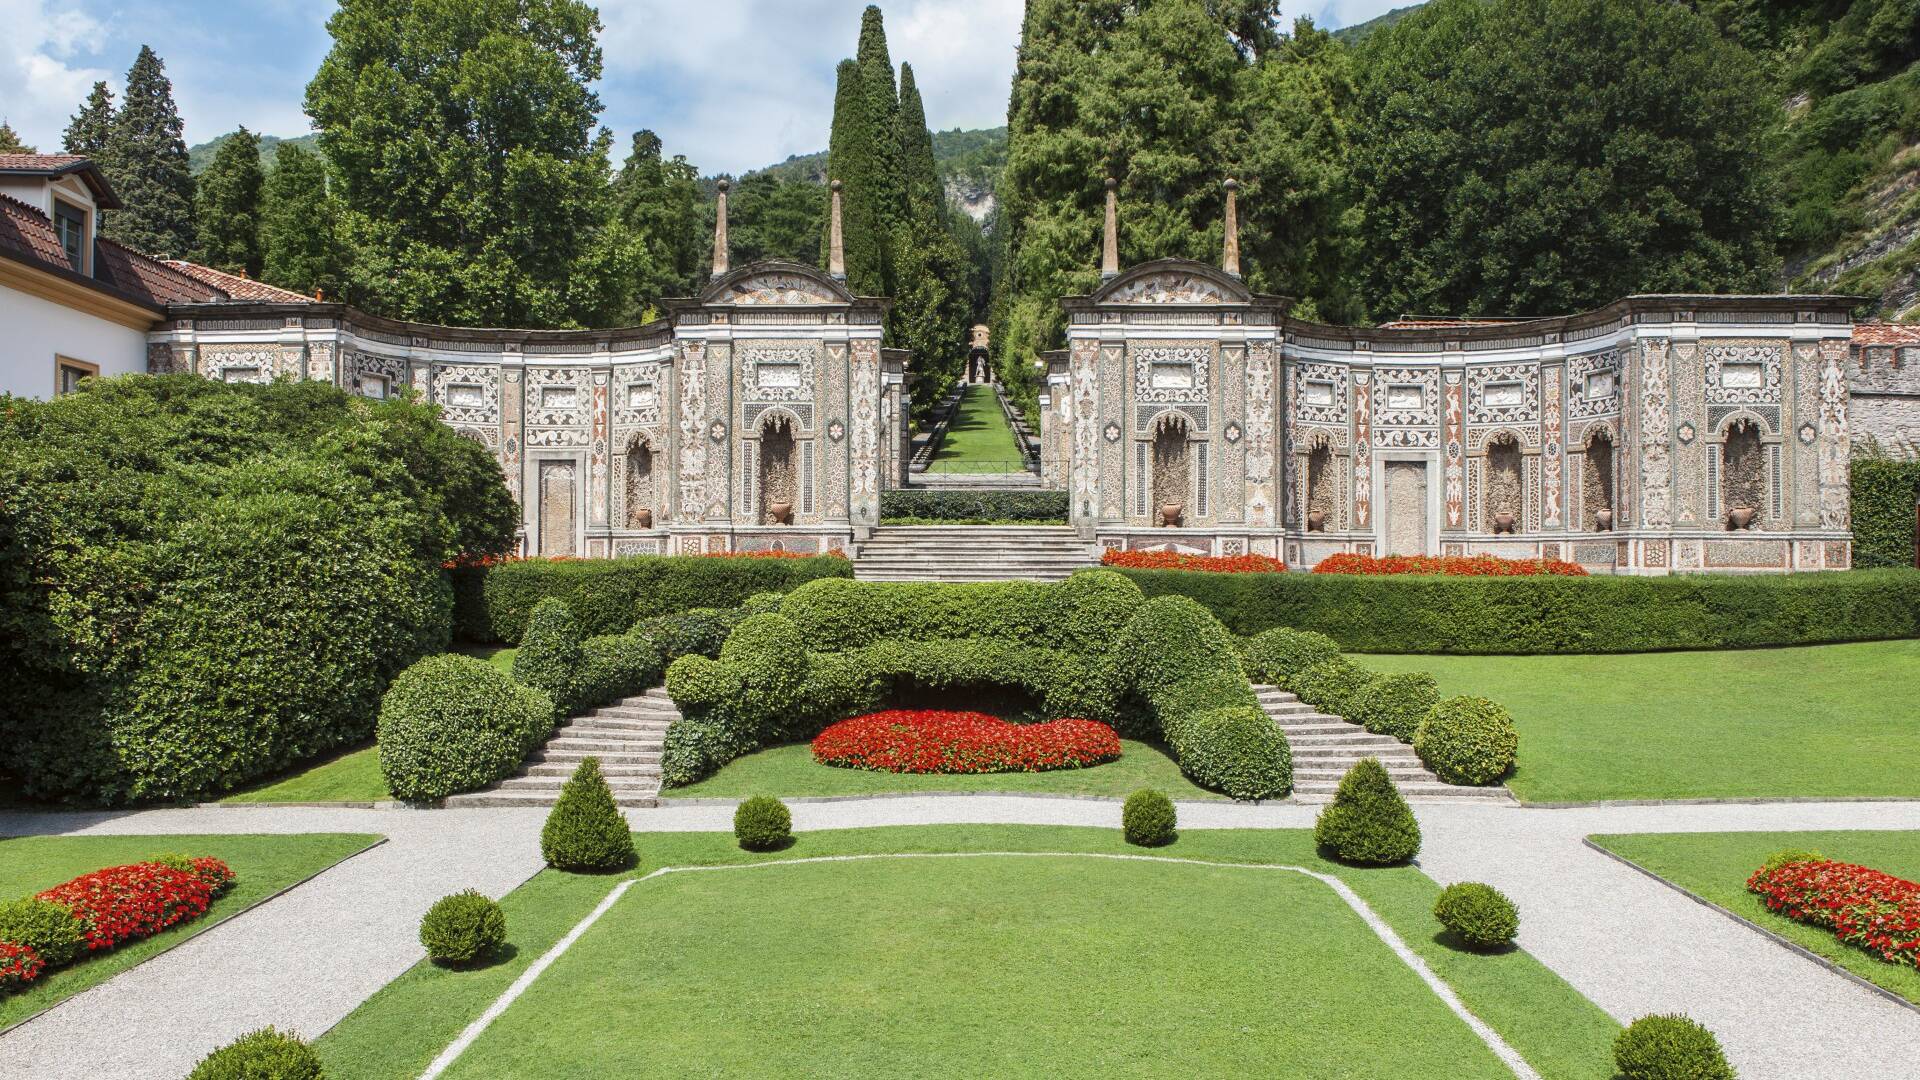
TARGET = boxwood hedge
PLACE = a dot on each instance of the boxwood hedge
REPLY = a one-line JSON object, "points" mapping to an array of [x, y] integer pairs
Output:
{"points": [[1396, 614], [1025, 507], [1885, 491], [454, 723]]}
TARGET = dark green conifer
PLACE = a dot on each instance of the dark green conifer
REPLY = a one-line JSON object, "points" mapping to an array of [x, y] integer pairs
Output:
{"points": [[145, 160], [227, 207], [87, 131]]}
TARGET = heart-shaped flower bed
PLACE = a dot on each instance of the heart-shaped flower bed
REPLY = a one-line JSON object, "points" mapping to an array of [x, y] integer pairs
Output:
{"points": [[935, 741]]}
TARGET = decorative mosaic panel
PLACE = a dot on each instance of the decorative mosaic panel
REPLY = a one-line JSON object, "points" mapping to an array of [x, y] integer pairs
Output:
{"points": [[1112, 395], [1656, 420], [1834, 443], [1085, 468], [320, 361], [1362, 452], [1170, 288], [1454, 492], [1552, 494], [1743, 372], [1172, 372], [1259, 433], [1804, 461], [719, 464], [1317, 394], [639, 392], [358, 366], [597, 473], [1736, 554], [511, 434], [776, 288], [835, 396], [1232, 449], [239, 363], [468, 393], [777, 371], [1406, 397], [1503, 394], [693, 432], [1689, 416], [863, 434], [1594, 385]]}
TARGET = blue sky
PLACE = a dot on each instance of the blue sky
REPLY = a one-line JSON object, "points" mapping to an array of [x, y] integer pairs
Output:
{"points": [[732, 84]]}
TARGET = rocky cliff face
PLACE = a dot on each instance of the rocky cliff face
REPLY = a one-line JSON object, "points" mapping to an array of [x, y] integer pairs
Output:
{"points": [[972, 194], [1881, 260]]}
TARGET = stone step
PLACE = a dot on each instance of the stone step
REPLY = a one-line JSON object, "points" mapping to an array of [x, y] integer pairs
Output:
{"points": [[616, 725], [594, 744], [1314, 789], [649, 768], [1320, 727], [575, 757], [628, 784], [1359, 739], [536, 798], [647, 711], [1400, 774], [1352, 754]]}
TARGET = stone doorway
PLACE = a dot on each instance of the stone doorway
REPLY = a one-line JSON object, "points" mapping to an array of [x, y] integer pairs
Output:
{"points": [[1403, 509], [557, 501]]}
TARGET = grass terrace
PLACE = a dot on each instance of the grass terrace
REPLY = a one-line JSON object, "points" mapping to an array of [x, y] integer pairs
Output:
{"points": [[979, 439], [1015, 966]]}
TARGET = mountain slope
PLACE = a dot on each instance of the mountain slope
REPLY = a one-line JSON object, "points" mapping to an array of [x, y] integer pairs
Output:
{"points": [[200, 155]]}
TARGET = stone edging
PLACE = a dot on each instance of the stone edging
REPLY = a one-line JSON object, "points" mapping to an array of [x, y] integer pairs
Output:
{"points": [[666, 803], [1781, 800], [1777, 939], [275, 895]]}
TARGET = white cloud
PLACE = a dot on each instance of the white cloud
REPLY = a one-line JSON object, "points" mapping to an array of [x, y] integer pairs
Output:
{"points": [[41, 79], [1334, 14]]}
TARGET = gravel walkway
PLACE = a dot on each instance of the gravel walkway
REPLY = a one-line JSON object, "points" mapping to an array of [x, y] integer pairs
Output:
{"points": [[1632, 945]]}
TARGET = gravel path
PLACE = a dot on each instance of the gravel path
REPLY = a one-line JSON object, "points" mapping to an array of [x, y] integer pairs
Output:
{"points": [[1632, 945]]}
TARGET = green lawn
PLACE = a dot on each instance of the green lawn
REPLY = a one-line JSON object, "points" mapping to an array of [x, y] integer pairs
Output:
{"points": [[1716, 866], [264, 865], [791, 771], [993, 966], [1823, 720], [978, 439]]}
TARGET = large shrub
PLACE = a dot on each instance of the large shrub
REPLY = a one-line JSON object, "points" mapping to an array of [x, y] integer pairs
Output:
{"points": [[552, 656], [1080, 613], [1885, 491], [762, 823], [1479, 915], [463, 927], [1148, 818], [1277, 655], [201, 584], [1598, 614], [1467, 740], [46, 927], [1029, 507], [1669, 1047], [585, 830], [456, 723], [266, 1054], [609, 595], [1331, 685], [1394, 704], [1368, 822]]}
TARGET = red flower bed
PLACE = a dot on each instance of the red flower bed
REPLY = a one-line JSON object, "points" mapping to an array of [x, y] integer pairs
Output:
{"points": [[124, 903], [1176, 560], [1863, 907], [19, 965], [771, 554], [1453, 565], [935, 741]]}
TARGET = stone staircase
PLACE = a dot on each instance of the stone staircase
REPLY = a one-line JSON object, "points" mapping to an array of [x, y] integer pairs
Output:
{"points": [[1326, 746], [627, 736], [972, 553]]}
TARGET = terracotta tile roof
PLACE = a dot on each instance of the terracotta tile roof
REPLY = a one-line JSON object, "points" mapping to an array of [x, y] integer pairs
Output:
{"points": [[1880, 333], [236, 286], [38, 162], [62, 165], [27, 235]]}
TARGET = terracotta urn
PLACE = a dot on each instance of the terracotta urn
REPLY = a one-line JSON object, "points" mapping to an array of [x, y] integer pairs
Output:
{"points": [[1170, 514], [1316, 521], [1603, 521], [1739, 517], [643, 518], [780, 512], [1503, 522]]}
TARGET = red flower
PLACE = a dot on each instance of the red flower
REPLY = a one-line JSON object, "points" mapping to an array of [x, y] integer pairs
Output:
{"points": [[1452, 565], [123, 903], [19, 965], [1862, 906], [934, 741], [1176, 560]]}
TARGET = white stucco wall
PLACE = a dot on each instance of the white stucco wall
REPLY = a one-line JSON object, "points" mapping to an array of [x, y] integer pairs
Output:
{"points": [[33, 331]]}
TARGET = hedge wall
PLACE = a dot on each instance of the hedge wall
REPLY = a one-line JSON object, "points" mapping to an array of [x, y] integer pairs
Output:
{"points": [[1029, 507], [1558, 614], [609, 595], [1884, 494]]}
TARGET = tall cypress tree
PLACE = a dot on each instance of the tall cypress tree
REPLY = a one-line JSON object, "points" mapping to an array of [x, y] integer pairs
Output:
{"points": [[227, 207], [10, 141], [850, 153], [87, 131], [932, 307], [145, 159], [925, 194], [888, 193], [298, 224]]}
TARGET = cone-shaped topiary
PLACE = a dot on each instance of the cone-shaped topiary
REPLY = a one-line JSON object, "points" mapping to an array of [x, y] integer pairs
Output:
{"points": [[1368, 821], [1147, 818], [585, 830], [463, 927], [1669, 1048], [265, 1054], [1479, 915], [763, 823]]}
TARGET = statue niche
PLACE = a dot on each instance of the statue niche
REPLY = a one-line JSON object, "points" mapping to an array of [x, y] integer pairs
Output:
{"points": [[1322, 508], [779, 476], [641, 489], [1505, 489], [1596, 482], [1743, 475], [1172, 468]]}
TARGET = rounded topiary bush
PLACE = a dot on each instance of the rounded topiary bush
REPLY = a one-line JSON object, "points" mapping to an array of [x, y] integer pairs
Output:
{"points": [[1368, 822], [1479, 915], [455, 723], [1774, 861], [763, 823], [1091, 608], [1277, 655], [585, 829], [1170, 641], [45, 927], [1467, 740], [1395, 704], [1147, 818], [1663, 1047], [772, 659], [463, 927], [266, 1054], [552, 657], [1331, 685], [1238, 751]]}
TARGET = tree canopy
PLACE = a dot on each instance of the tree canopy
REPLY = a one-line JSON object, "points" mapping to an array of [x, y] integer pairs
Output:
{"points": [[228, 208], [145, 159]]}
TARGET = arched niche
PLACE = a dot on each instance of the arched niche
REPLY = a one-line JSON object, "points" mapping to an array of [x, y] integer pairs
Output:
{"points": [[1504, 495], [1596, 477], [1743, 473], [1172, 466], [643, 486], [778, 469], [1323, 487]]}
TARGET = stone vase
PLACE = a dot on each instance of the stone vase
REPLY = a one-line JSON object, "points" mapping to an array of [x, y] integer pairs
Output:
{"points": [[643, 518], [1170, 514], [1739, 517], [1503, 522], [1603, 521], [1316, 521], [780, 512]]}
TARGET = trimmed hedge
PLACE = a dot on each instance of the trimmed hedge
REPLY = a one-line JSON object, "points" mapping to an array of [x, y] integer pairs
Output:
{"points": [[1083, 613], [43, 926], [1147, 818], [1885, 491], [266, 1054], [1332, 685], [1558, 614], [454, 723], [609, 595], [1395, 704], [1479, 915], [1277, 655], [1022, 507], [1467, 740]]}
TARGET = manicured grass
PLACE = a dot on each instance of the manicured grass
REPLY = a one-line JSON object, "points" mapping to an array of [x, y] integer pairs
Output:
{"points": [[1018, 967], [978, 439], [264, 865], [1716, 866], [791, 771], [351, 777], [500, 656], [1822, 720]]}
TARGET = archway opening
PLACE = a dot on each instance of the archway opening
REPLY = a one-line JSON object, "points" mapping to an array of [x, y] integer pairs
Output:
{"points": [[641, 491], [1743, 479], [779, 479], [1596, 481], [1172, 469], [1505, 491], [1322, 512]]}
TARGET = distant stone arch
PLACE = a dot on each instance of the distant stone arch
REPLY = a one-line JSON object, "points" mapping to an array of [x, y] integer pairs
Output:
{"points": [[778, 478]]}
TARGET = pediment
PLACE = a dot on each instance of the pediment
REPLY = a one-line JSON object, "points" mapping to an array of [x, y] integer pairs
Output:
{"points": [[1173, 281], [776, 284]]}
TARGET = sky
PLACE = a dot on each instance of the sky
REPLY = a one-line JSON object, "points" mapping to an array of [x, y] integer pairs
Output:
{"points": [[732, 84]]}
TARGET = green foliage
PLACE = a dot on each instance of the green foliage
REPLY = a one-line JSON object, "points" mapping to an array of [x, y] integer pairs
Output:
{"points": [[45, 927], [609, 595], [299, 231], [1522, 615], [1276, 656], [1791, 855], [852, 154], [1331, 685], [1368, 822], [462, 141], [266, 1054], [1669, 1047], [762, 823], [1394, 704], [585, 830], [227, 207], [1147, 818], [1088, 609], [454, 723], [933, 505], [89, 129], [1467, 740], [770, 216], [659, 202], [693, 632], [145, 160], [552, 657], [463, 927], [1885, 493], [932, 308], [1479, 915], [1509, 164], [10, 141]]}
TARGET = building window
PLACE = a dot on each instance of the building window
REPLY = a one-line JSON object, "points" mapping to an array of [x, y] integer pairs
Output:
{"points": [[67, 374], [70, 222]]}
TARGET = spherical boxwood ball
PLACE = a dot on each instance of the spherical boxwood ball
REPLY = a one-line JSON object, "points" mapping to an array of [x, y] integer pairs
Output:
{"points": [[1467, 740], [1147, 818], [763, 823], [266, 1054], [1662, 1047], [462, 928], [1477, 914]]}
